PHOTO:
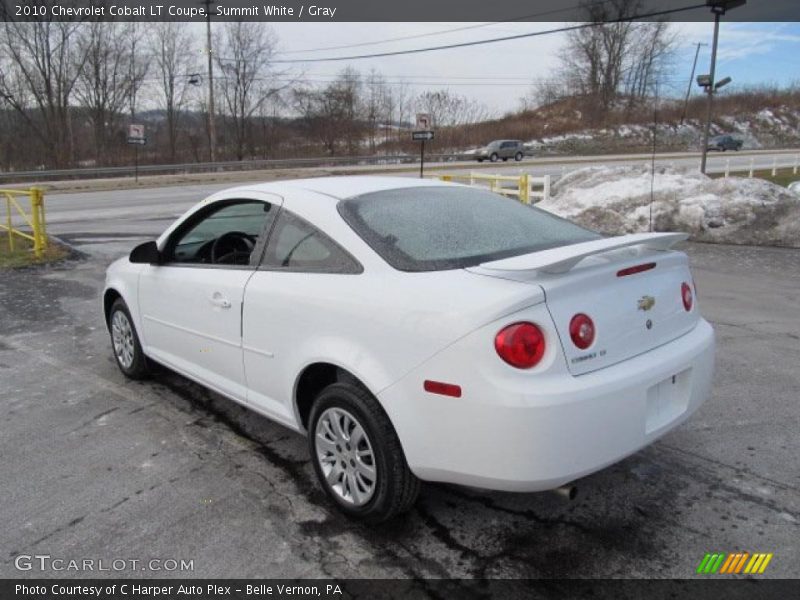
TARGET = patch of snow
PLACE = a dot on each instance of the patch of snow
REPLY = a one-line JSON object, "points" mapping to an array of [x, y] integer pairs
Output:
{"points": [[617, 200]]}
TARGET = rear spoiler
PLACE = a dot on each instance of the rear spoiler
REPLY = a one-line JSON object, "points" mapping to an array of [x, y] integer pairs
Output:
{"points": [[564, 258]]}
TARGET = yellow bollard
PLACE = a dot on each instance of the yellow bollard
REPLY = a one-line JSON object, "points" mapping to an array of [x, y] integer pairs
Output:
{"points": [[8, 223], [524, 189], [39, 239]]}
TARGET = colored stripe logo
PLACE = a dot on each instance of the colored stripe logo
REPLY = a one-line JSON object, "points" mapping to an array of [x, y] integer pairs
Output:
{"points": [[736, 563]]}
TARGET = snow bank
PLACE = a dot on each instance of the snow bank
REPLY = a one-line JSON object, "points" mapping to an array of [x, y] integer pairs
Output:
{"points": [[617, 200]]}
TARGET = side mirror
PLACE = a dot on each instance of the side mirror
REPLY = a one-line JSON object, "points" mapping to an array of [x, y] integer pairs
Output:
{"points": [[146, 253]]}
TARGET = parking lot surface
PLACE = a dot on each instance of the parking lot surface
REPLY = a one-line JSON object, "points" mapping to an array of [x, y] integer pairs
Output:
{"points": [[95, 466]]}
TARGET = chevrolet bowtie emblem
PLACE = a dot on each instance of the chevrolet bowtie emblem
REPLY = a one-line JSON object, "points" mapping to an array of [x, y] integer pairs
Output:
{"points": [[646, 303]]}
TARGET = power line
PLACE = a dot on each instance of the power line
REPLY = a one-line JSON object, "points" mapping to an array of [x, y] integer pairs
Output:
{"points": [[444, 31], [660, 13]]}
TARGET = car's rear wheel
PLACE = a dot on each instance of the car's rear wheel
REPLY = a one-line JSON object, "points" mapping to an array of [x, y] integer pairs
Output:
{"points": [[125, 341], [493, 157], [518, 156], [357, 455]]}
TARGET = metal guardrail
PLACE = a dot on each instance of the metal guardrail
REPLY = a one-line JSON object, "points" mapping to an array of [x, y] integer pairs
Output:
{"points": [[525, 187], [35, 220], [235, 165]]}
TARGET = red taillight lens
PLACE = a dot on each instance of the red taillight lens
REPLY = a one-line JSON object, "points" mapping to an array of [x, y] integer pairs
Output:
{"points": [[686, 296], [521, 345], [636, 269], [581, 330]]}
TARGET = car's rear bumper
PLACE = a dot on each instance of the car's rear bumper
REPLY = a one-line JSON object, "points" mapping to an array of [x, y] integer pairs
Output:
{"points": [[536, 433]]}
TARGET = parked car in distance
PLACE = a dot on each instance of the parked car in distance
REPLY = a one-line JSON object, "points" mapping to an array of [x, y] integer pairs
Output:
{"points": [[721, 143], [501, 149], [418, 330]]}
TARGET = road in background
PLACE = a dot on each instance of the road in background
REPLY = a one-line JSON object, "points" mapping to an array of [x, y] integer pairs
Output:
{"points": [[132, 215]]}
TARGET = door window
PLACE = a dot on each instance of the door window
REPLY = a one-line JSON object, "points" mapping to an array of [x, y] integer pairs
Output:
{"points": [[226, 234]]}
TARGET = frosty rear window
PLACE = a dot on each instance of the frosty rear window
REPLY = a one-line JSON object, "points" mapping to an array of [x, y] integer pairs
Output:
{"points": [[439, 228]]}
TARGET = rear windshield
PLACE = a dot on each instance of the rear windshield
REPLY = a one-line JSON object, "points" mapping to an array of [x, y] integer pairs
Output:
{"points": [[439, 228]]}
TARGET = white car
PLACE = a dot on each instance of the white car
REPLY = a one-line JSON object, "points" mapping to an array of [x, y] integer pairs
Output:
{"points": [[419, 330]]}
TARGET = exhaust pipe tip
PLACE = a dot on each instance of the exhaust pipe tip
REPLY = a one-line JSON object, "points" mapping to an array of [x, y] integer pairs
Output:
{"points": [[567, 492]]}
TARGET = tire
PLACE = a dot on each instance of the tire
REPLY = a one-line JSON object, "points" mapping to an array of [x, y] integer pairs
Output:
{"points": [[480, 160], [125, 342], [493, 157], [505, 159], [394, 487], [518, 156]]}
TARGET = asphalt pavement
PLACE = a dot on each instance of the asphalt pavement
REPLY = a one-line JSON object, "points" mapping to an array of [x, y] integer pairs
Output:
{"points": [[96, 466]]}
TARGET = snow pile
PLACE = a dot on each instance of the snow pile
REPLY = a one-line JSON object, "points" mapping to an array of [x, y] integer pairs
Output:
{"points": [[617, 200]]}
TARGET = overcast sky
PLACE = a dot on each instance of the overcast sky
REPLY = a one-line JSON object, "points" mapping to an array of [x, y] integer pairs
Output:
{"points": [[499, 74]]}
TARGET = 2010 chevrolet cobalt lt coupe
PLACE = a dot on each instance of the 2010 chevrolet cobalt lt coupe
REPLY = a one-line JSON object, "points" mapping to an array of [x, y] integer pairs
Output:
{"points": [[419, 330]]}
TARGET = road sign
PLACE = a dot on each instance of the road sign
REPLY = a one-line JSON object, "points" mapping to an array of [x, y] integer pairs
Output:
{"points": [[424, 121], [422, 136], [136, 134]]}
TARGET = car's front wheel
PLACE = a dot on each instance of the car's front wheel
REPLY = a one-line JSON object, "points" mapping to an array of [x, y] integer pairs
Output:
{"points": [[127, 349], [493, 157], [357, 455], [518, 156]]}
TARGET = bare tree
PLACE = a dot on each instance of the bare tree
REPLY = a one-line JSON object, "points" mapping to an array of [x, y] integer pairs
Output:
{"points": [[247, 79], [374, 104], [138, 63], [39, 67], [652, 47], [172, 47], [594, 57], [105, 81], [448, 109], [330, 115]]}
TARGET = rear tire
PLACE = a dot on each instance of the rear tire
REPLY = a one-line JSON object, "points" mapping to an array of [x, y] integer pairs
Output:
{"points": [[370, 479], [128, 352]]}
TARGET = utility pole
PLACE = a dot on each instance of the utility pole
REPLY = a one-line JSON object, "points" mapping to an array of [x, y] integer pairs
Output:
{"points": [[718, 7], [691, 80], [212, 130]]}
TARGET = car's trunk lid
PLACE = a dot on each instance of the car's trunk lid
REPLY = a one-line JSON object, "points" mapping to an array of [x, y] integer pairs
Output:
{"points": [[632, 313]]}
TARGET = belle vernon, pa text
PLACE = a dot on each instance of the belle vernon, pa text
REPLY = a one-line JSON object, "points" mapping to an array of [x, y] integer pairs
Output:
{"points": [[160, 10], [156, 591]]}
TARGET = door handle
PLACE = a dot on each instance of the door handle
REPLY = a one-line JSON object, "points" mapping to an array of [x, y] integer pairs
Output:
{"points": [[220, 301]]}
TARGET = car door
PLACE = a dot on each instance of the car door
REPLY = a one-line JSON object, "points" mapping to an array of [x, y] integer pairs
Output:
{"points": [[191, 304], [289, 298]]}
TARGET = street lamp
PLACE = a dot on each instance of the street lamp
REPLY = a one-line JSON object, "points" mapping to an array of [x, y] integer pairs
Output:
{"points": [[719, 8]]}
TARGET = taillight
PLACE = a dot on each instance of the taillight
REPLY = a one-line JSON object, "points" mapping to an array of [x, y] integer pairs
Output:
{"points": [[636, 269], [521, 345], [581, 330], [686, 296]]}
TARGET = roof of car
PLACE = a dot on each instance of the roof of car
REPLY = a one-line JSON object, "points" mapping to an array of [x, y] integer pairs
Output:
{"points": [[339, 187]]}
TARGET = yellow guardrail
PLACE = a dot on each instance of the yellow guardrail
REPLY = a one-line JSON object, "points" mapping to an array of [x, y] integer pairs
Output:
{"points": [[526, 188], [34, 217]]}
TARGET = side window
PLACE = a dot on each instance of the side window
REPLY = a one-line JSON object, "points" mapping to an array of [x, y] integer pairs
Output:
{"points": [[226, 234], [296, 245]]}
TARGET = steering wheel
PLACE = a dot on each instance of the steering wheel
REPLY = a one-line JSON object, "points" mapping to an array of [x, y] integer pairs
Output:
{"points": [[230, 246]]}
